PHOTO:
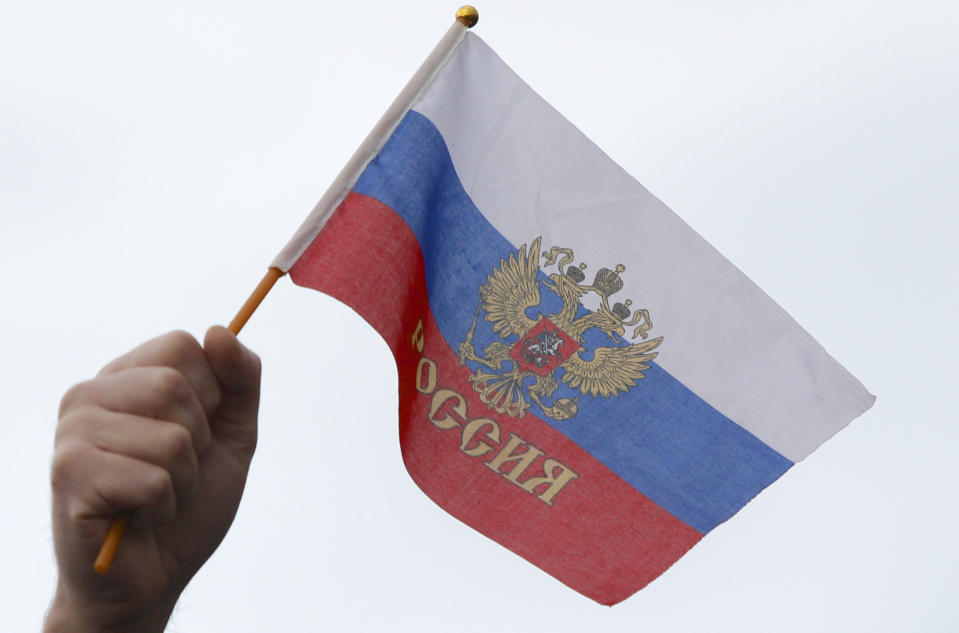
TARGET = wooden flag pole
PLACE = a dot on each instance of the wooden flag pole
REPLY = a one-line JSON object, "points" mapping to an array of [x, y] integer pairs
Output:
{"points": [[253, 302], [467, 16], [109, 548]]}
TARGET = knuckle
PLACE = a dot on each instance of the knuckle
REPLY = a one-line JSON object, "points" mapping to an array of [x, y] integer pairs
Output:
{"points": [[184, 468], [204, 438], [169, 384], [68, 463], [182, 345], [158, 487], [210, 400], [75, 396], [75, 509], [72, 423], [158, 500], [180, 443]]}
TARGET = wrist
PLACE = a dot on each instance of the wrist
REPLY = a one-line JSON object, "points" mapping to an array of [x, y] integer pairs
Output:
{"points": [[67, 615]]}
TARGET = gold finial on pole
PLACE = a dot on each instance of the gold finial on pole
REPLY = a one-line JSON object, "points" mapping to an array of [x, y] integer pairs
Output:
{"points": [[467, 15]]}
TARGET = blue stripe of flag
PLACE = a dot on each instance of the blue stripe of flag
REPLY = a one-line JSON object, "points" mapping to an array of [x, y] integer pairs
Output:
{"points": [[659, 436]]}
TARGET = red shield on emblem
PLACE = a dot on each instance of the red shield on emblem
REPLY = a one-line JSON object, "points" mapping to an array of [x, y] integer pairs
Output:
{"points": [[544, 348]]}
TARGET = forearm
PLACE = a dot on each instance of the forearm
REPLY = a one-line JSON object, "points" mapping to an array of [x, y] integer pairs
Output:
{"points": [[68, 615]]}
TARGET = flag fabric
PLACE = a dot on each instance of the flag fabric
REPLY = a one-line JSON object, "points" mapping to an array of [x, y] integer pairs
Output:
{"points": [[582, 377]]}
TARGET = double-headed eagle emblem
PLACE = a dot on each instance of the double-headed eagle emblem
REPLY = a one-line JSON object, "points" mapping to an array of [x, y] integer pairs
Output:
{"points": [[520, 367]]}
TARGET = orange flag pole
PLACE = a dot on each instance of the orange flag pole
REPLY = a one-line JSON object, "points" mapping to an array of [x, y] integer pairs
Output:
{"points": [[112, 541], [253, 302], [467, 16]]}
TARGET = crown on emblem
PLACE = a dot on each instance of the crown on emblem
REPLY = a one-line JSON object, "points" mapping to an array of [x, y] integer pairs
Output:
{"points": [[576, 274], [608, 282], [622, 309]]}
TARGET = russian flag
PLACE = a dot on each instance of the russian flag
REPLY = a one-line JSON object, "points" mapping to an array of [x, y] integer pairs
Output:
{"points": [[582, 378]]}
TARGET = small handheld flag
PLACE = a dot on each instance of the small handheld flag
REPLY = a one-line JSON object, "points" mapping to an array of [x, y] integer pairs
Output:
{"points": [[582, 377]]}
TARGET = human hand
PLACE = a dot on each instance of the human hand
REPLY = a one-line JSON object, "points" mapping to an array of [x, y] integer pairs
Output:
{"points": [[165, 434]]}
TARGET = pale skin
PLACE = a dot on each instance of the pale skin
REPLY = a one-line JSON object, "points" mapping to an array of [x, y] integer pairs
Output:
{"points": [[165, 434]]}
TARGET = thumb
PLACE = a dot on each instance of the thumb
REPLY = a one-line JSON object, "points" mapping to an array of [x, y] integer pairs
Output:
{"points": [[237, 369]]}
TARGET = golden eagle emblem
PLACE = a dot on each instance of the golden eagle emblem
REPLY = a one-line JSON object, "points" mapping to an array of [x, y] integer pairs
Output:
{"points": [[520, 366]]}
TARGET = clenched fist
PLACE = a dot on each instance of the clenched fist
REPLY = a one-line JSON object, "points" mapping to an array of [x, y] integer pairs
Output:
{"points": [[164, 434]]}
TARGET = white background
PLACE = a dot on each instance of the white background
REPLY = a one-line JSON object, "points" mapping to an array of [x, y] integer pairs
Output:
{"points": [[154, 158]]}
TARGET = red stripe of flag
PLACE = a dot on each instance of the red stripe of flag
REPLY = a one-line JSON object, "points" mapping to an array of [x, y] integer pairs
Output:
{"points": [[595, 533]]}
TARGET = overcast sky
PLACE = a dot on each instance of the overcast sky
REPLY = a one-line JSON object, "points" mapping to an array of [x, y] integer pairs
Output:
{"points": [[155, 157]]}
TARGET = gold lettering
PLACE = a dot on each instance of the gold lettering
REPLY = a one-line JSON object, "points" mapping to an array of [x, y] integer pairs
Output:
{"points": [[471, 429], [523, 460], [430, 384], [419, 339], [449, 410], [556, 482], [443, 410]]}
